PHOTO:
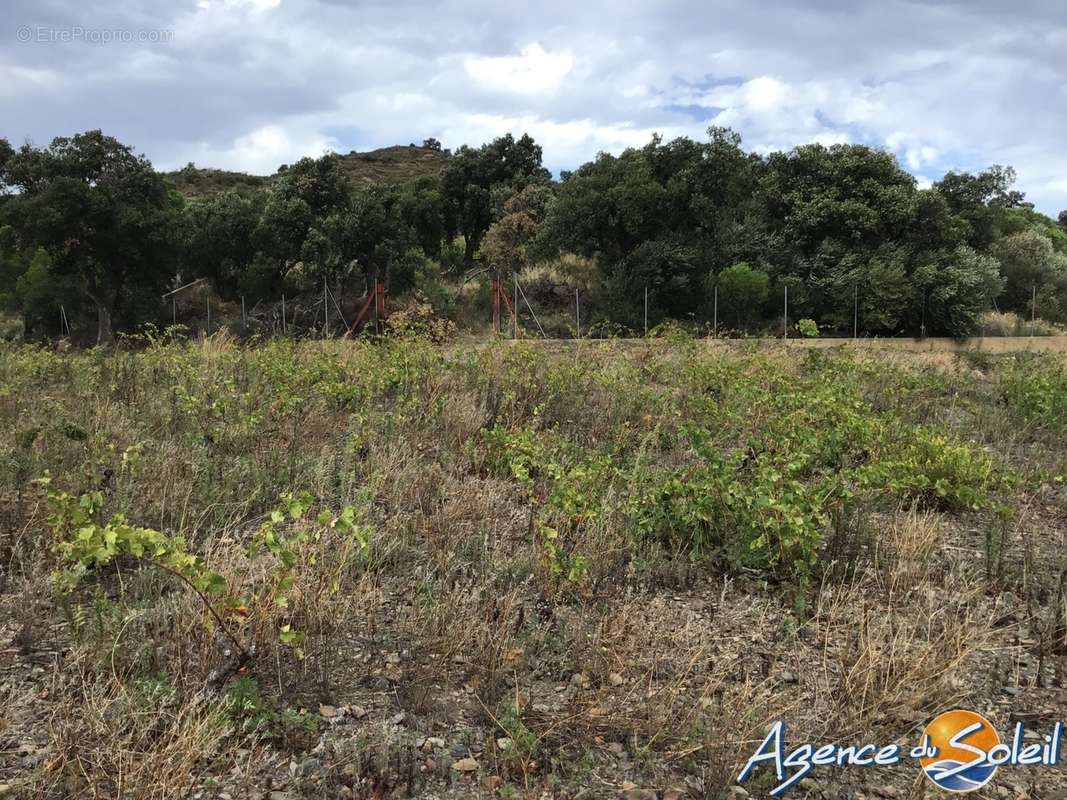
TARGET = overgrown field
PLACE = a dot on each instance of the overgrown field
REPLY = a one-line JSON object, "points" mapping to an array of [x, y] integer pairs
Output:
{"points": [[393, 569]]}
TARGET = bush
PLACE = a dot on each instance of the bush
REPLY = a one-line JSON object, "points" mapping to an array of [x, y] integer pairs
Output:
{"points": [[10, 329], [742, 289], [934, 470], [1008, 323], [1036, 392]]}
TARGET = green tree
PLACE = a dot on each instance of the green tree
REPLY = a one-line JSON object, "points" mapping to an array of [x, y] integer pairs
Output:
{"points": [[668, 269], [953, 290], [1018, 220], [1027, 264], [6, 152], [40, 293], [472, 173], [706, 193], [742, 289], [106, 219], [872, 289], [278, 237], [218, 238], [422, 209], [506, 242], [319, 182], [980, 200], [850, 194]]}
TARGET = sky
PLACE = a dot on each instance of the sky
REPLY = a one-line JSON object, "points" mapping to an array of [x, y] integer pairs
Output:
{"points": [[251, 84]]}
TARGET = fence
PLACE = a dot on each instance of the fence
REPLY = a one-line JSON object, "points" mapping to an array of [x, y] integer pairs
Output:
{"points": [[509, 304]]}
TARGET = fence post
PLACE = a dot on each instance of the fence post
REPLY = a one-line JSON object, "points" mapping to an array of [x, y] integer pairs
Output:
{"points": [[377, 322], [855, 310], [715, 314], [646, 312], [785, 313], [577, 314], [1033, 311]]}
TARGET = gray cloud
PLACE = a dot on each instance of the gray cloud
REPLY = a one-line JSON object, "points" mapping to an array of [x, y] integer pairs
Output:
{"points": [[248, 84]]}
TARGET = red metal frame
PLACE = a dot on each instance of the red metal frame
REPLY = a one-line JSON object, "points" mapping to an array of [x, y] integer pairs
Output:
{"points": [[375, 300], [500, 293]]}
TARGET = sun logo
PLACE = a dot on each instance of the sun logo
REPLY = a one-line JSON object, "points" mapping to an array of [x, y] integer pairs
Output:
{"points": [[961, 742]]}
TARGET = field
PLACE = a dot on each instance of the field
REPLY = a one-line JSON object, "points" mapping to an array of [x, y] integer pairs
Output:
{"points": [[400, 569]]}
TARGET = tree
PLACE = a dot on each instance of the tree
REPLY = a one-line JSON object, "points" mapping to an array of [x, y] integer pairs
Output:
{"points": [[507, 240], [1026, 262], [105, 218], [279, 239], [431, 144], [668, 269], [1018, 220], [872, 290], [1063, 219], [980, 200], [13, 263], [40, 293], [6, 152], [218, 238], [421, 207], [953, 290], [331, 246], [742, 289], [470, 175], [850, 196], [372, 232], [319, 182]]}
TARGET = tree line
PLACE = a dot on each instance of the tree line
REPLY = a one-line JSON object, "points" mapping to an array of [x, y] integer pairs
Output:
{"points": [[682, 230]]}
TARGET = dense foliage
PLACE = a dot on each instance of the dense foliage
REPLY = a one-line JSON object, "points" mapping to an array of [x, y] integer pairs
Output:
{"points": [[89, 231]]}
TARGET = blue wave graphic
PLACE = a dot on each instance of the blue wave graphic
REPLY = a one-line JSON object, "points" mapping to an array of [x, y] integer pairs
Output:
{"points": [[969, 779]]}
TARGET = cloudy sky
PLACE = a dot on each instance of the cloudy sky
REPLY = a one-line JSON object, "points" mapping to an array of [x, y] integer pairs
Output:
{"points": [[251, 84]]}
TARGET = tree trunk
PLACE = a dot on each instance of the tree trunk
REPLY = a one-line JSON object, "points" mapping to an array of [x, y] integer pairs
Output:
{"points": [[103, 317], [103, 324]]}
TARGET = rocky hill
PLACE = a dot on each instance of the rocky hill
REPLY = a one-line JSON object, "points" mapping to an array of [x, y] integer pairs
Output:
{"points": [[385, 165]]}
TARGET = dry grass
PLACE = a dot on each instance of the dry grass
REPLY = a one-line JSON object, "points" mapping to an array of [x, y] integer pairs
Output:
{"points": [[111, 739], [654, 666], [904, 556], [886, 666]]}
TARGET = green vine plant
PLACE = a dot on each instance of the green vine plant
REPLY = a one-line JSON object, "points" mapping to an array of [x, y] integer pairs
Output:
{"points": [[290, 543], [83, 544]]}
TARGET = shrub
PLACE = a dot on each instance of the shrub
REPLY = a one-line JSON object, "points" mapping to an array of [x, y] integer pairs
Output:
{"points": [[742, 289], [936, 471], [1036, 391]]}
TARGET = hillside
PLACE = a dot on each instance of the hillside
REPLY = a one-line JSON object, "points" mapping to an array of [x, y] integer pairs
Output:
{"points": [[392, 164], [385, 165]]}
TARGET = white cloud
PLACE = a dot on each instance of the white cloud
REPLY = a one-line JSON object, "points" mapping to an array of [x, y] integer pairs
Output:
{"points": [[252, 83], [261, 151], [534, 71], [570, 142]]}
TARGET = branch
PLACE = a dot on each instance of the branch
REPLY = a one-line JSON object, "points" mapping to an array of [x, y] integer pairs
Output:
{"points": [[245, 655], [467, 279]]}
